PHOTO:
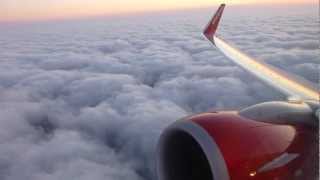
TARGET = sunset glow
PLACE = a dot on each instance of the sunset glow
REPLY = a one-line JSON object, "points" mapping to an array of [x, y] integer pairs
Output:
{"points": [[25, 10]]}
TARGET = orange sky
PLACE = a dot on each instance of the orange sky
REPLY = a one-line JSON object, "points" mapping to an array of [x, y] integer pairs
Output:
{"points": [[24, 10]]}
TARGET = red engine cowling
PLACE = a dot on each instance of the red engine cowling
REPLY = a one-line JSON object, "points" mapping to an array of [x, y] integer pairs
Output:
{"points": [[226, 145]]}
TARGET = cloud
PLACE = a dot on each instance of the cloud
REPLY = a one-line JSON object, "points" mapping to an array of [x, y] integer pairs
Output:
{"points": [[88, 99]]}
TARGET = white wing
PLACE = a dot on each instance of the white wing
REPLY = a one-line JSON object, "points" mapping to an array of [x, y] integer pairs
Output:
{"points": [[282, 81]]}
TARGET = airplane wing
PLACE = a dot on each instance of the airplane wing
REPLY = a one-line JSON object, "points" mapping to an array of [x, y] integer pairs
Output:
{"points": [[290, 85]]}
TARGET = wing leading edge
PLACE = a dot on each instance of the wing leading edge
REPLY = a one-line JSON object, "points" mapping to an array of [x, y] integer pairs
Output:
{"points": [[284, 82]]}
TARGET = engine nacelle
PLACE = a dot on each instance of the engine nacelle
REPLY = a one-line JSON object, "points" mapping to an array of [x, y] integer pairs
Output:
{"points": [[226, 145]]}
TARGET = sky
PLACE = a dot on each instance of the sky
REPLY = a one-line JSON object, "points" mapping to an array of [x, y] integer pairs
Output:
{"points": [[88, 99], [30, 10]]}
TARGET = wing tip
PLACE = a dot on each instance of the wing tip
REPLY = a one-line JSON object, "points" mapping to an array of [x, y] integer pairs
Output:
{"points": [[213, 24]]}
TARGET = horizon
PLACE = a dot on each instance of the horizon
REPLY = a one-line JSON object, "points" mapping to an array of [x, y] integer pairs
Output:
{"points": [[34, 14]]}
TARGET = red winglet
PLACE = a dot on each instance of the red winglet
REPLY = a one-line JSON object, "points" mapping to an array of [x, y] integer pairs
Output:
{"points": [[212, 27]]}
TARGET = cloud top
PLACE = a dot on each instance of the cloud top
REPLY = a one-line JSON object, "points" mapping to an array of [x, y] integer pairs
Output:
{"points": [[88, 99]]}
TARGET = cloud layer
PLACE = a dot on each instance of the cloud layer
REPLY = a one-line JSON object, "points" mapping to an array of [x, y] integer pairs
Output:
{"points": [[83, 100]]}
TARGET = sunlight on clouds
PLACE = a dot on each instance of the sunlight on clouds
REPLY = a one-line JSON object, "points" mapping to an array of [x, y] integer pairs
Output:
{"points": [[88, 99], [51, 9]]}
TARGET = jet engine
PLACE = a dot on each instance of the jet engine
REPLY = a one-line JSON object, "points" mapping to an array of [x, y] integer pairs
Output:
{"points": [[232, 145]]}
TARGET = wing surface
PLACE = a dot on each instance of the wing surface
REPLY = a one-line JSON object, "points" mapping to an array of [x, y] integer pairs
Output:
{"points": [[290, 85]]}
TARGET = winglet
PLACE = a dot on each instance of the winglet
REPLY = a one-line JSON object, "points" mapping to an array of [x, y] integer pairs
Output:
{"points": [[212, 27]]}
